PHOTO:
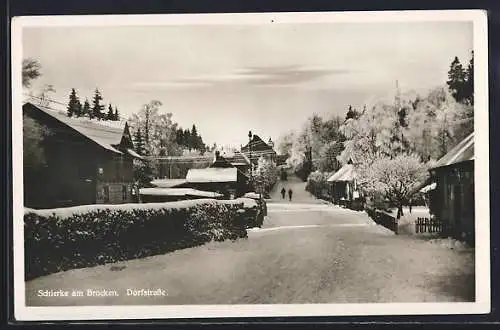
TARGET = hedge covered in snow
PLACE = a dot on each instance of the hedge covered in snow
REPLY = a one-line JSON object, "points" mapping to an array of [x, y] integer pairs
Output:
{"points": [[90, 235]]}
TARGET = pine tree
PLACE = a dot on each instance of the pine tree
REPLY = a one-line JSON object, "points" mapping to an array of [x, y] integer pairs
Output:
{"points": [[74, 105], [469, 82], [456, 80], [179, 137], [86, 109], [139, 143], [110, 115], [187, 139], [97, 107], [351, 113], [194, 138], [116, 116], [79, 109]]}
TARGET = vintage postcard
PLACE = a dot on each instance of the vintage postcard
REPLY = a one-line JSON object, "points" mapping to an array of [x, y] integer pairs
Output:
{"points": [[250, 165]]}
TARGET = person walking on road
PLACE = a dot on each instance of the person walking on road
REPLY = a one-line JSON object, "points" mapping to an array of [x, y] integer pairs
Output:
{"points": [[290, 193], [283, 193]]}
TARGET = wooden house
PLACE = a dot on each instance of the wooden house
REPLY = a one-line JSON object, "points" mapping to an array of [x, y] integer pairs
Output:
{"points": [[343, 185], [229, 159], [452, 199], [257, 148], [86, 161], [228, 181]]}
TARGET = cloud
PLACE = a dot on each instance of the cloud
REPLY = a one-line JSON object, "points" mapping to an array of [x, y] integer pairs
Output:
{"points": [[271, 76], [265, 76]]}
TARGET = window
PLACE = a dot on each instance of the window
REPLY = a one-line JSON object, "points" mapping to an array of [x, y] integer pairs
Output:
{"points": [[124, 192]]}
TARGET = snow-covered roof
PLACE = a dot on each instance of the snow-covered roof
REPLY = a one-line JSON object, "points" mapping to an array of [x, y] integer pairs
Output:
{"points": [[134, 154], [103, 132], [428, 188], [252, 195], [345, 173], [212, 174], [167, 183], [178, 192], [463, 151], [236, 158]]}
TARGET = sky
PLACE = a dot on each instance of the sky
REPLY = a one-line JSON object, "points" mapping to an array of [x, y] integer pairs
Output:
{"points": [[229, 79]]}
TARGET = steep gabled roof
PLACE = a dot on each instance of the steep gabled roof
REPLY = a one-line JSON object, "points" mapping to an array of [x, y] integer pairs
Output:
{"points": [[107, 134], [257, 145], [462, 152], [236, 158]]}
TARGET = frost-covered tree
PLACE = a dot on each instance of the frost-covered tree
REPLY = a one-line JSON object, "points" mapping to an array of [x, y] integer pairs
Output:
{"points": [[393, 178], [327, 161], [317, 183], [158, 130], [265, 175]]}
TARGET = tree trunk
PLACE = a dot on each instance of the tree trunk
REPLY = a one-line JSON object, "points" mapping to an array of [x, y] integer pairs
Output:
{"points": [[400, 211]]}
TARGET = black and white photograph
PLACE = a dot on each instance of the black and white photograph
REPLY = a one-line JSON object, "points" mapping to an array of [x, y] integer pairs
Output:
{"points": [[250, 165]]}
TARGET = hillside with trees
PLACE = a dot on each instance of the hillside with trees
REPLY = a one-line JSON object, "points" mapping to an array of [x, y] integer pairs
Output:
{"points": [[391, 144]]}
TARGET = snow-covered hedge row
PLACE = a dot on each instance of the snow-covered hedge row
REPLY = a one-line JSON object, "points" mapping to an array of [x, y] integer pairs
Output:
{"points": [[85, 236], [317, 184]]}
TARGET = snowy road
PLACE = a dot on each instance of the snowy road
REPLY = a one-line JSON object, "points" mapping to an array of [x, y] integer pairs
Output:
{"points": [[305, 253]]}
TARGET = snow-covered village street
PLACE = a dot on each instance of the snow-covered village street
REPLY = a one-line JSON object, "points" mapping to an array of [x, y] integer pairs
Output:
{"points": [[306, 252]]}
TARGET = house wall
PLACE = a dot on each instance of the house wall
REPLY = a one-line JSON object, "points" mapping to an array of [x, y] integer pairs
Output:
{"points": [[71, 174], [453, 199], [114, 192], [68, 177], [114, 182]]}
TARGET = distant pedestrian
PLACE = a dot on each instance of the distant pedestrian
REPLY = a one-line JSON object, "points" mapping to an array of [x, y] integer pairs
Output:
{"points": [[290, 193], [409, 204], [283, 193]]}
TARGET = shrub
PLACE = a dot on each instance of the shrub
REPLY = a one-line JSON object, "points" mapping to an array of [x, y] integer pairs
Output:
{"points": [[317, 184], [85, 236]]}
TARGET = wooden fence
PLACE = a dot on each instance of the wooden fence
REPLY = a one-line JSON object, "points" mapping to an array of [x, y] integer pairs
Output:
{"points": [[426, 225], [383, 219]]}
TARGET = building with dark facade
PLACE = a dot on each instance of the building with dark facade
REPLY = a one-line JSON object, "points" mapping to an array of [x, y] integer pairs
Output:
{"points": [[452, 198], [257, 148], [85, 161]]}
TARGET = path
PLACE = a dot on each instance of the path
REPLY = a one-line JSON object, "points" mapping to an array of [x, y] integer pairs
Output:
{"points": [[300, 195], [306, 252]]}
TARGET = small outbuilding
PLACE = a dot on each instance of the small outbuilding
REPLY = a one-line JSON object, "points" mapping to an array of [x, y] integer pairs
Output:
{"points": [[452, 194]]}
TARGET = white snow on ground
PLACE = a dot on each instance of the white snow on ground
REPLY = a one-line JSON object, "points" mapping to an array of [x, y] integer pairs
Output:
{"points": [[450, 243], [296, 207], [257, 229]]}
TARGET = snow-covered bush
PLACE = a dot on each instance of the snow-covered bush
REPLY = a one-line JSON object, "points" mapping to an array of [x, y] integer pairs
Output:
{"points": [[85, 236], [317, 183], [266, 175]]}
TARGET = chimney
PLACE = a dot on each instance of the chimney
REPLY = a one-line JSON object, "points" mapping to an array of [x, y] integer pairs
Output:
{"points": [[270, 143]]}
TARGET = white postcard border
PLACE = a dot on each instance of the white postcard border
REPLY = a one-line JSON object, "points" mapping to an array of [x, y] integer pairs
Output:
{"points": [[482, 257]]}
